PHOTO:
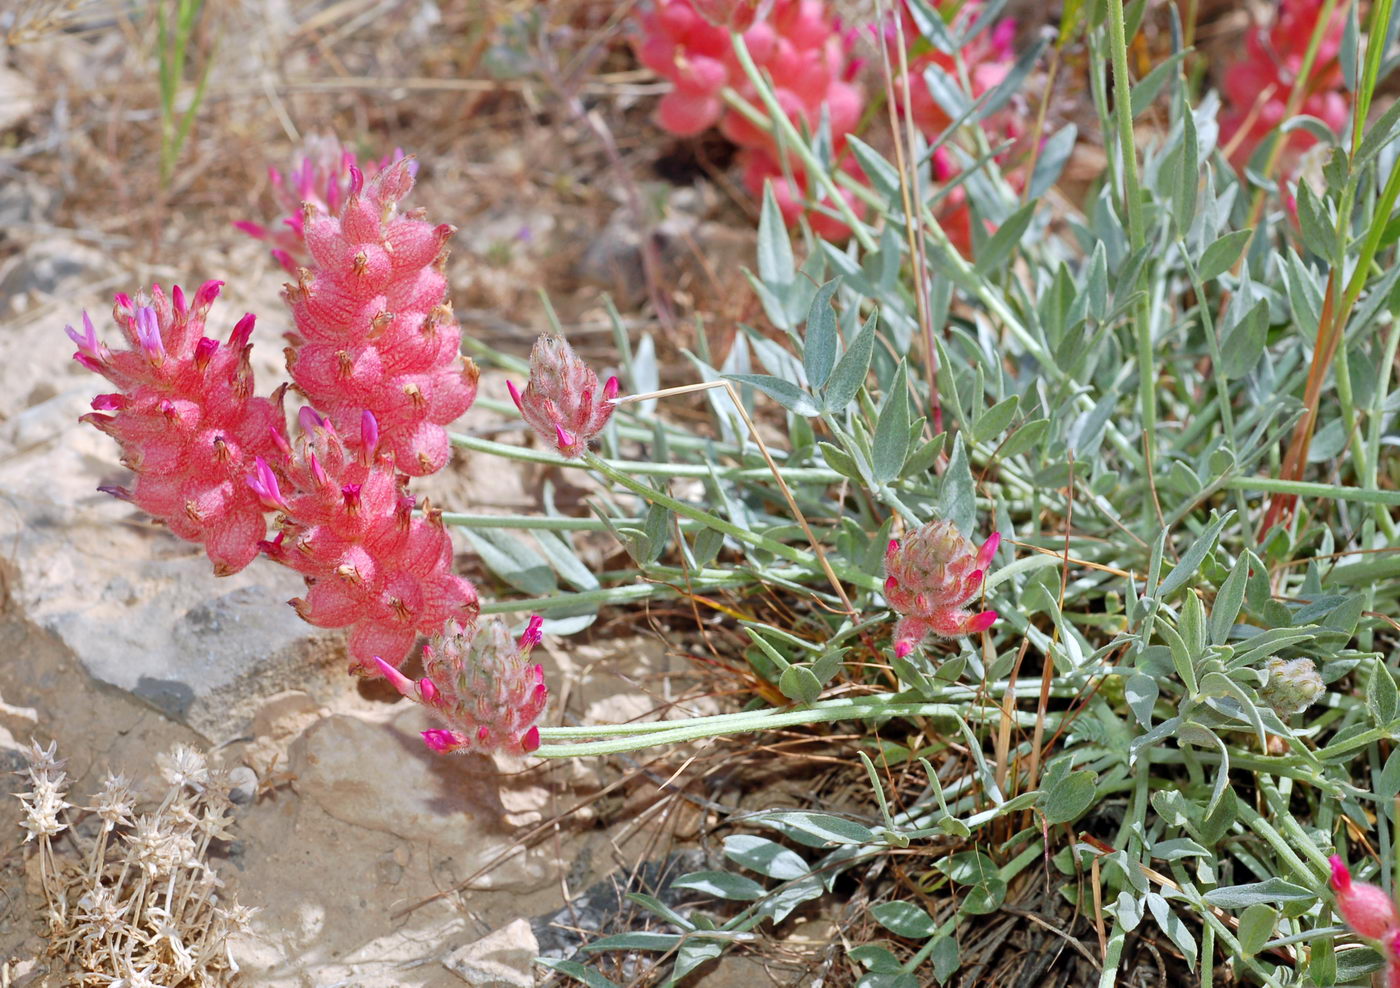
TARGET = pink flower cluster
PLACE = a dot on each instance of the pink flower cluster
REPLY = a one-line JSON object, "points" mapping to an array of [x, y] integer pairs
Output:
{"points": [[348, 526], [321, 176], [374, 329], [1258, 87], [186, 418], [930, 577], [377, 353], [1371, 913], [562, 401], [800, 45], [803, 49], [482, 685]]}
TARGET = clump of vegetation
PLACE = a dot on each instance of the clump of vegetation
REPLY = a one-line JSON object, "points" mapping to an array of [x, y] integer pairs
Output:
{"points": [[132, 899]]}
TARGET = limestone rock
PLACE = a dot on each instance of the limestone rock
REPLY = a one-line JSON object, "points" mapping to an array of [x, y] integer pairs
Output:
{"points": [[503, 959]]}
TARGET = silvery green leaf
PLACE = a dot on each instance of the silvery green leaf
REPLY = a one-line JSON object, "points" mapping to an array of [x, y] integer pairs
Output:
{"points": [[694, 952], [1178, 848], [1319, 233], [514, 561], [1188, 179], [564, 560], [799, 683], [819, 341], [945, 958], [721, 884], [577, 971], [815, 829], [1194, 555], [1388, 785], [891, 442], [1051, 163], [775, 264], [1008, 236], [706, 546], [851, 368], [1269, 890], [994, 420], [1011, 84], [635, 941], [1349, 52], [1381, 696], [1141, 692], [904, 919], [1069, 799], [785, 393], [957, 494], [1256, 926], [1146, 90], [1172, 925], [1129, 909], [930, 24], [1220, 256], [883, 175], [790, 896], [764, 856], [1245, 343], [1228, 602], [1378, 135], [946, 92]]}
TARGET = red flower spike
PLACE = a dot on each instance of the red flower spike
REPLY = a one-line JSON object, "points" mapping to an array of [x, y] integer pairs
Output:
{"points": [[186, 421], [325, 175], [930, 577], [370, 564], [1365, 908], [373, 329], [480, 685], [560, 401]]}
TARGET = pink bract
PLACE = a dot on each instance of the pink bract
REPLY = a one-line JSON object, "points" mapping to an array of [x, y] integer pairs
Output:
{"points": [[320, 176], [1365, 908]]}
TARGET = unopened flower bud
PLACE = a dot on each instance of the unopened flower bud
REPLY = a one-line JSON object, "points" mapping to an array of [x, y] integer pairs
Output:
{"points": [[1294, 685], [562, 401], [929, 577]]}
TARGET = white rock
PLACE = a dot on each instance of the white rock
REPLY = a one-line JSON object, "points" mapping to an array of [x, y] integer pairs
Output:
{"points": [[504, 959]]}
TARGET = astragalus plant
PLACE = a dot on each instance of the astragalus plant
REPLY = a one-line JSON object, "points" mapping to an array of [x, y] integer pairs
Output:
{"points": [[1163, 688]]}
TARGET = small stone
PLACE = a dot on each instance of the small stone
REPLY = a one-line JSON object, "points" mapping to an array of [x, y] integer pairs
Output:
{"points": [[244, 783], [504, 959]]}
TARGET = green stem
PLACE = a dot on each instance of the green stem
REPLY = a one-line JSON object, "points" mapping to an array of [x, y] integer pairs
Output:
{"points": [[780, 549], [1137, 234], [1303, 488], [637, 736]]}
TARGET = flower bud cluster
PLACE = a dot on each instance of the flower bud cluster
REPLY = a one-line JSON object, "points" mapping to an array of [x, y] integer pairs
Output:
{"points": [[1294, 685], [562, 401], [320, 176], [371, 563], [1258, 87], [481, 684], [374, 330], [929, 578], [186, 419]]}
